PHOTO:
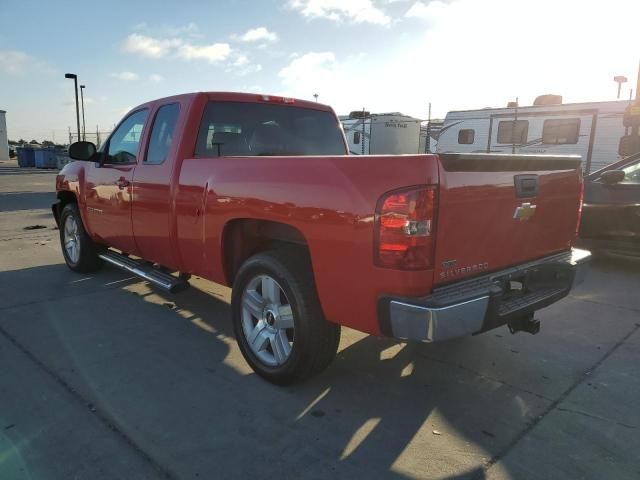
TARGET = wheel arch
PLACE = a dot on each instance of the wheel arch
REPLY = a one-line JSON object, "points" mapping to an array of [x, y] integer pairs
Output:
{"points": [[64, 198], [245, 237]]}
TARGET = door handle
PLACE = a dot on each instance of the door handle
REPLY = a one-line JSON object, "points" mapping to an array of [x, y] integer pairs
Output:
{"points": [[123, 183]]}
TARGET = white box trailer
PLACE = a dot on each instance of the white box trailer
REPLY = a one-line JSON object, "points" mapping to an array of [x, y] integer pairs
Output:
{"points": [[593, 130], [4, 140], [381, 133]]}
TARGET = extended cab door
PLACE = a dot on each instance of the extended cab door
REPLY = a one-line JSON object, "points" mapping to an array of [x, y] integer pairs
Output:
{"points": [[153, 217], [109, 186]]}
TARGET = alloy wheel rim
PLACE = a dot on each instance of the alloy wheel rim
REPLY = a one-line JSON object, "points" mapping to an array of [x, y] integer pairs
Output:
{"points": [[71, 240], [267, 321]]}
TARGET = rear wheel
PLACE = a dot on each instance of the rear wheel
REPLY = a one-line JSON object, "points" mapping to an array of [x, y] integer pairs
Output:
{"points": [[79, 251], [277, 318]]}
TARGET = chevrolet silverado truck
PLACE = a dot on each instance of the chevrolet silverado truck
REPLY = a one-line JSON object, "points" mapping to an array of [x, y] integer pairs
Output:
{"points": [[259, 193]]}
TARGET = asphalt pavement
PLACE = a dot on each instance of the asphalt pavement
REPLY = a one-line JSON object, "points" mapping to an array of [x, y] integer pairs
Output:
{"points": [[104, 377]]}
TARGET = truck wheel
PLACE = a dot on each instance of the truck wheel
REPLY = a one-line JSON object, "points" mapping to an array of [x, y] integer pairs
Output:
{"points": [[277, 318], [80, 252]]}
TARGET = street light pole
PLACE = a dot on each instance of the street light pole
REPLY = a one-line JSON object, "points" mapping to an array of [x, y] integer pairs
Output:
{"points": [[84, 132], [620, 79], [75, 82]]}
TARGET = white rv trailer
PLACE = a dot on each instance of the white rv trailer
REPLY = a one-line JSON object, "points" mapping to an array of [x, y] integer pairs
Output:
{"points": [[4, 142], [381, 133], [593, 130]]}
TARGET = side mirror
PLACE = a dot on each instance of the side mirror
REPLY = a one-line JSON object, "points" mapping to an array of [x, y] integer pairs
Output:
{"points": [[82, 151], [612, 177]]}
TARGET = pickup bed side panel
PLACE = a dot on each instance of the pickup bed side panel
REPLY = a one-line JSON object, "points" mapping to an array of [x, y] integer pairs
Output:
{"points": [[330, 200]]}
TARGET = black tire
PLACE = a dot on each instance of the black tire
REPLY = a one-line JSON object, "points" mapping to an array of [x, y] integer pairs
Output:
{"points": [[88, 260], [315, 340]]}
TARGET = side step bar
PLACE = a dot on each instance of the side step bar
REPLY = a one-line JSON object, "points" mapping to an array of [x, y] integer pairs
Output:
{"points": [[145, 270]]}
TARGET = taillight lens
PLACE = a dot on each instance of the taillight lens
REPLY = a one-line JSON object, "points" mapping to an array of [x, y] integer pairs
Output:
{"points": [[405, 228]]}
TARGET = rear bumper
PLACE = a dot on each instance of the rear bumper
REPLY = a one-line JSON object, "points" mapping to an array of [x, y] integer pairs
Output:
{"points": [[479, 304]]}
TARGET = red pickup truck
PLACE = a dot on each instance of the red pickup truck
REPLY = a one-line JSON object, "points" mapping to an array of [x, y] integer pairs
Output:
{"points": [[257, 192]]}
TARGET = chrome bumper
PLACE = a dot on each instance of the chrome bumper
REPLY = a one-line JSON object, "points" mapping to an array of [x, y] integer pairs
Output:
{"points": [[480, 304]]}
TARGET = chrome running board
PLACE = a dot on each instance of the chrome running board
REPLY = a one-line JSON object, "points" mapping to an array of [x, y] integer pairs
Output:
{"points": [[146, 271]]}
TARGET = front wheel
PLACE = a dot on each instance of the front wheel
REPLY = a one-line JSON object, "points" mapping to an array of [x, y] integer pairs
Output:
{"points": [[79, 251], [277, 318]]}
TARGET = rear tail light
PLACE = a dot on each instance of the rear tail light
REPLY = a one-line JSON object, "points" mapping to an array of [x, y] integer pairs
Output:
{"points": [[405, 228]]}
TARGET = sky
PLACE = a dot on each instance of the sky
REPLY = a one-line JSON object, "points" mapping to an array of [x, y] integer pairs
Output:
{"points": [[382, 55]]}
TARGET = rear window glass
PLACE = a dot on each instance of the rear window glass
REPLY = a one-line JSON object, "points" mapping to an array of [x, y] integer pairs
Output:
{"points": [[253, 129]]}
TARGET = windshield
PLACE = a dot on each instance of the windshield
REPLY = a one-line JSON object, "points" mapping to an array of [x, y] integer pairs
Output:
{"points": [[255, 129]]}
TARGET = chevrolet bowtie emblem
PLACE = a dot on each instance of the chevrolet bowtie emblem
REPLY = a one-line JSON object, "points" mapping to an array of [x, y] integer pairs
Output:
{"points": [[524, 212]]}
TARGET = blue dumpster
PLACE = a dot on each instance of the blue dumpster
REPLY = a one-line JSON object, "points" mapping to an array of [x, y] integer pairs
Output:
{"points": [[46, 158], [26, 157], [62, 158]]}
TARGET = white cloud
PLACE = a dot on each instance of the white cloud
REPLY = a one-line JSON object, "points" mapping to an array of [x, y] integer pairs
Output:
{"points": [[126, 76], [355, 11], [476, 54], [249, 69], [432, 11], [259, 34], [156, 77], [212, 53], [312, 69], [13, 61], [242, 66], [149, 46], [241, 61], [158, 48]]}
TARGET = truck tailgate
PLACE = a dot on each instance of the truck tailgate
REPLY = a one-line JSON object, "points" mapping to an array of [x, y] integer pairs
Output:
{"points": [[499, 210]]}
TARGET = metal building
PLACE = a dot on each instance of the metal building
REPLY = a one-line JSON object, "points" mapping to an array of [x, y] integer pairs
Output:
{"points": [[4, 141]]}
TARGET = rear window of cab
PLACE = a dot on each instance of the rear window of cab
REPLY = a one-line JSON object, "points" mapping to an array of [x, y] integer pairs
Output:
{"points": [[259, 129]]}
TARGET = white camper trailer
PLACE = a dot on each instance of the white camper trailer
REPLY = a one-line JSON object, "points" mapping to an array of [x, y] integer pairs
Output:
{"points": [[593, 130], [4, 141], [381, 133]]}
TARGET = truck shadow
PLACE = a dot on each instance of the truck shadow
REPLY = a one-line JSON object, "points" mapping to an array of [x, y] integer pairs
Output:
{"points": [[380, 405], [166, 371]]}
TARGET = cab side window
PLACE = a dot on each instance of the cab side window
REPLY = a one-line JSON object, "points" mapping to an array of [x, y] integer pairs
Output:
{"points": [[125, 141], [162, 133]]}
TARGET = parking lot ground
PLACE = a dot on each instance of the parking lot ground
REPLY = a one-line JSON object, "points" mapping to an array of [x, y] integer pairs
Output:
{"points": [[104, 377]]}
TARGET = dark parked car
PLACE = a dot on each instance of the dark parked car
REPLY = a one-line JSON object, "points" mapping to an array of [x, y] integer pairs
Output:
{"points": [[611, 211]]}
